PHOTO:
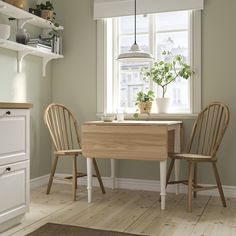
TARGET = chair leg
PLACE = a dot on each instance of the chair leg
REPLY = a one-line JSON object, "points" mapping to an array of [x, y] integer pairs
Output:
{"points": [[74, 181], [190, 185], [98, 176], [195, 179], [170, 171], [53, 169], [219, 185], [177, 172]]}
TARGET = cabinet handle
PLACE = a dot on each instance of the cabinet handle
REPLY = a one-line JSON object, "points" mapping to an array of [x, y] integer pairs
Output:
{"points": [[8, 169], [8, 113]]}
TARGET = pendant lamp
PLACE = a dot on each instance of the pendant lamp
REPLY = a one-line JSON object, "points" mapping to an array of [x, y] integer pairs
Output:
{"points": [[135, 54]]}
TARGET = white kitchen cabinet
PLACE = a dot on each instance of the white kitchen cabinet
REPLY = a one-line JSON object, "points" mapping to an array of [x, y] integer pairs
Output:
{"points": [[14, 162]]}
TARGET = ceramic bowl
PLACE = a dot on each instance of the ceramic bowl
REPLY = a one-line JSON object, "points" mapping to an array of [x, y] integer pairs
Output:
{"points": [[108, 118], [5, 31]]}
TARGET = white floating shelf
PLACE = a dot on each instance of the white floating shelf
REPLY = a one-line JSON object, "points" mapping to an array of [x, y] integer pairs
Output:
{"points": [[24, 50], [26, 17]]}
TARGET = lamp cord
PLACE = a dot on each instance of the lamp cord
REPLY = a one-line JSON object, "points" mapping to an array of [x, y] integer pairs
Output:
{"points": [[135, 22]]}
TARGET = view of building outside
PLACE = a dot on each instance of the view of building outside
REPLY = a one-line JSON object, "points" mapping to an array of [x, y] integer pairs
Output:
{"points": [[170, 31]]}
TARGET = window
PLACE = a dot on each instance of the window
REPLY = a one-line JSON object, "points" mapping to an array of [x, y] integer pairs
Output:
{"points": [[177, 32]]}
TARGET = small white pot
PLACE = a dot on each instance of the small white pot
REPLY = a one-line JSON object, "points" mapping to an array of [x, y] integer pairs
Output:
{"points": [[163, 105], [5, 31]]}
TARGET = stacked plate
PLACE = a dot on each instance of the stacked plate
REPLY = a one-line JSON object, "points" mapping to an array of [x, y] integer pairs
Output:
{"points": [[108, 118], [4, 31]]}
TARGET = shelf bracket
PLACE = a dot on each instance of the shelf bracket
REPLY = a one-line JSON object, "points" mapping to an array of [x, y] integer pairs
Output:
{"points": [[22, 22], [45, 62], [21, 55]]}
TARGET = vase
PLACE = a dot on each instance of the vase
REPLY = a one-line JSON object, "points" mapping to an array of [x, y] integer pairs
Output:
{"points": [[145, 107], [22, 36], [163, 105]]}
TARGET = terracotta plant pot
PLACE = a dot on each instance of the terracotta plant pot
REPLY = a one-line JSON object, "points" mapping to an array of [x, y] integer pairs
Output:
{"points": [[17, 3], [145, 107], [47, 15]]}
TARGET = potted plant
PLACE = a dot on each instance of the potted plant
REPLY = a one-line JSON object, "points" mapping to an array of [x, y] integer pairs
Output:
{"points": [[164, 72], [144, 101], [47, 10]]}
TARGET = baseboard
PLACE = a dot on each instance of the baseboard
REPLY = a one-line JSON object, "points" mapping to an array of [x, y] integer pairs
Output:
{"points": [[38, 182], [134, 184]]}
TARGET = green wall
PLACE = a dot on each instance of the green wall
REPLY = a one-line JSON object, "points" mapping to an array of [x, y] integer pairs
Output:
{"points": [[218, 79], [29, 86], [74, 78]]}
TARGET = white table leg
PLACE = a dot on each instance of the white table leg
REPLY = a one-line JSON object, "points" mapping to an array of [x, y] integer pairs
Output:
{"points": [[113, 175], [177, 162], [89, 178], [177, 171], [163, 165]]}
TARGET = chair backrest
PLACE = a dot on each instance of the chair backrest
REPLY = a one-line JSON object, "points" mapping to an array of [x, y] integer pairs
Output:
{"points": [[62, 127], [209, 129]]}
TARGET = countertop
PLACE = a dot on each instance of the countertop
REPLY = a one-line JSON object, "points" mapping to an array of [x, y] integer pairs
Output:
{"points": [[15, 105]]}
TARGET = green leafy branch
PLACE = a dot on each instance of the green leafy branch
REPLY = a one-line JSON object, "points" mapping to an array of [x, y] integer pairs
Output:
{"points": [[165, 72]]}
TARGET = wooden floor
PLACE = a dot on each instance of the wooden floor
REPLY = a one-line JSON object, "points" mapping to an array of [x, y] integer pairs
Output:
{"points": [[129, 211]]}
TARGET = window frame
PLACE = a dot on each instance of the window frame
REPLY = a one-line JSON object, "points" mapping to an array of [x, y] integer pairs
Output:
{"points": [[103, 68]]}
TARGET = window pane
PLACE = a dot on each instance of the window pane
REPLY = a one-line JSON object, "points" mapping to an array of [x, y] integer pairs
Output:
{"points": [[127, 41], [178, 91], [130, 83], [176, 42], [172, 34], [172, 20], [127, 24]]}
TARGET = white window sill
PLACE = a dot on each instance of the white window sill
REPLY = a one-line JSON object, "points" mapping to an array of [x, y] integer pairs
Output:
{"points": [[156, 116]]}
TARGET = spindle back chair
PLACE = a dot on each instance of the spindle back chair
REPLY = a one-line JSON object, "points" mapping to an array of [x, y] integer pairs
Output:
{"points": [[207, 134], [64, 133]]}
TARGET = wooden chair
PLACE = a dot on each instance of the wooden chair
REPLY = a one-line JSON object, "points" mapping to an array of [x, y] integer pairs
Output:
{"points": [[64, 132], [207, 134]]}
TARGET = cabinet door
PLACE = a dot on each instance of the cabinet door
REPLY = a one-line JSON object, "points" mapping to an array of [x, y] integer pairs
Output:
{"points": [[14, 193], [13, 135]]}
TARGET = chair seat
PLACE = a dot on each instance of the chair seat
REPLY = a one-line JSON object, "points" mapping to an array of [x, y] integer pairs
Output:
{"points": [[69, 152], [190, 156]]}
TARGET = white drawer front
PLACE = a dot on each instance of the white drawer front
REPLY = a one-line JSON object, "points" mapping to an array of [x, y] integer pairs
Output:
{"points": [[14, 190], [12, 136]]}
